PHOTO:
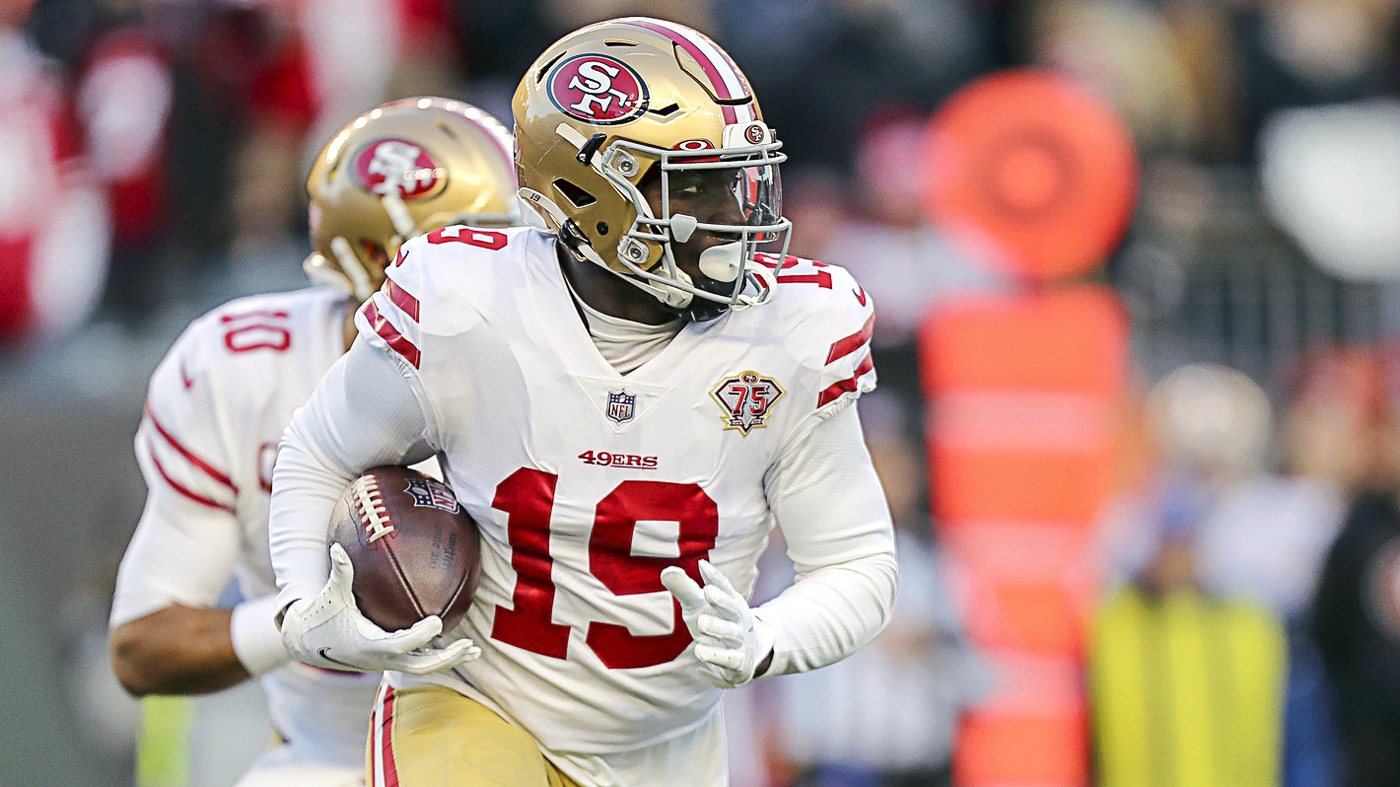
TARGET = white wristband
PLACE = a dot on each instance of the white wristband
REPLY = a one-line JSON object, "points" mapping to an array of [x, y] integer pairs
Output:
{"points": [[256, 640]]}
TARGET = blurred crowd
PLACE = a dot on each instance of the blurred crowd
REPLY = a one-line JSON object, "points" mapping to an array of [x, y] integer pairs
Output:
{"points": [[1247, 564]]}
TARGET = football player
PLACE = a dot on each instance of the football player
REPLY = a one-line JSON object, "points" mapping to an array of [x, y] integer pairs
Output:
{"points": [[626, 404], [217, 407]]}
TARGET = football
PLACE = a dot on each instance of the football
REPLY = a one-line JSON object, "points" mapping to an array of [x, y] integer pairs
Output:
{"points": [[414, 549]]}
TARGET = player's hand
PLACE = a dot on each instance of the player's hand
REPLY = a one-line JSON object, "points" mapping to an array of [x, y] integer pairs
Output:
{"points": [[327, 630], [729, 641]]}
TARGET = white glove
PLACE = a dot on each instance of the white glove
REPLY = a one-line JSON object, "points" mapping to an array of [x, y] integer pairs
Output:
{"points": [[327, 630], [729, 641]]}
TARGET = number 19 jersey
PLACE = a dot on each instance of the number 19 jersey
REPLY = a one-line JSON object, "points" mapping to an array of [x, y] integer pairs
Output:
{"points": [[587, 483]]}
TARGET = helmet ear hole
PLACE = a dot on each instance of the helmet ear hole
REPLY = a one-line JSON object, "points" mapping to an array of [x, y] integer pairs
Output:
{"points": [[544, 69], [575, 195]]}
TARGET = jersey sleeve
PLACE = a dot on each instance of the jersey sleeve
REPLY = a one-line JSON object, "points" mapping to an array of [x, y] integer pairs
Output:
{"points": [[186, 543], [361, 415], [425, 295], [425, 291], [828, 500], [841, 331], [827, 320]]}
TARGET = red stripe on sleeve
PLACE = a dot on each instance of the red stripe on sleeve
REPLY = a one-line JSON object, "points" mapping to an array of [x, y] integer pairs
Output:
{"points": [[843, 347], [189, 455], [847, 385], [402, 299], [390, 334], [186, 491]]}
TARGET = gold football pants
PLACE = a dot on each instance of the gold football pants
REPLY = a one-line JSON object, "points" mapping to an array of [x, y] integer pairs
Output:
{"points": [[434, 737]]}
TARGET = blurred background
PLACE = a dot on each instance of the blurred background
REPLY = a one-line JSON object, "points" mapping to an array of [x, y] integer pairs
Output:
{"points": [[1136, 268]]}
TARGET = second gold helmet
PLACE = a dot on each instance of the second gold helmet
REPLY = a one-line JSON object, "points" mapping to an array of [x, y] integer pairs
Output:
{"points": [[399, 170]]}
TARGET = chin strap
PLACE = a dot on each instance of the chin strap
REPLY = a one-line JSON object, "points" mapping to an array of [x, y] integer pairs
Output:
{"points": [[321, 273], [352, 267], [353, 277], [578, 245], [399, 216]]}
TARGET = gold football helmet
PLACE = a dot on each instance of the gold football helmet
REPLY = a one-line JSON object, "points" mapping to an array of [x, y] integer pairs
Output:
{"points": [[613, 108], [400, 170]]}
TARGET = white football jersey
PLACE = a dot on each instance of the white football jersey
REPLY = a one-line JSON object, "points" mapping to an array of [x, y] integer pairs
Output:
{"points": [[216, 409], [587, 483]]}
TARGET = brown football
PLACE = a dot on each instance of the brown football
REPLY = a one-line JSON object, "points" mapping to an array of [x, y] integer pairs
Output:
{"points": [[414, 548]]}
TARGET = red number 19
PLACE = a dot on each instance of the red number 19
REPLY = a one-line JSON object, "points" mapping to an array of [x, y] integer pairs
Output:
{"points": [[527, 497]]}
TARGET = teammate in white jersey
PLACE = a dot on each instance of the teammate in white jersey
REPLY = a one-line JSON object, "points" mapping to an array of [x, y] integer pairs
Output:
{"points": [[627, 405], [218, 405]]}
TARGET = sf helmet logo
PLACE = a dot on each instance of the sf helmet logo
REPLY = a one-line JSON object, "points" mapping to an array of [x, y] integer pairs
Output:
{"points": [[385, 164], [598, 89]]}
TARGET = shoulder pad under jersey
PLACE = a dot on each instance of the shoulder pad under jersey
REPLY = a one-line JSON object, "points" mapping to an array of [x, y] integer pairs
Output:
{"points": [[826, 319], [438, 283]]}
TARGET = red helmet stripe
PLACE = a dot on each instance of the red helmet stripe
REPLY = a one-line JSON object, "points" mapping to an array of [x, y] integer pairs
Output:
{"points": [[724, 75]]}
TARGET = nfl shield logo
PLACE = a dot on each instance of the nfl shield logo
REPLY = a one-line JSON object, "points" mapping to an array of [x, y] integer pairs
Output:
{"points": [[427, 492], [621, 406]]}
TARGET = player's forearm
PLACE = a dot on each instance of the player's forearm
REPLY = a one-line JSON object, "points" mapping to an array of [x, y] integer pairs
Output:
{"points": [[196, 650], [178, 650], [830, 613], [305, 490], [832, 509], [362, 414]]}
